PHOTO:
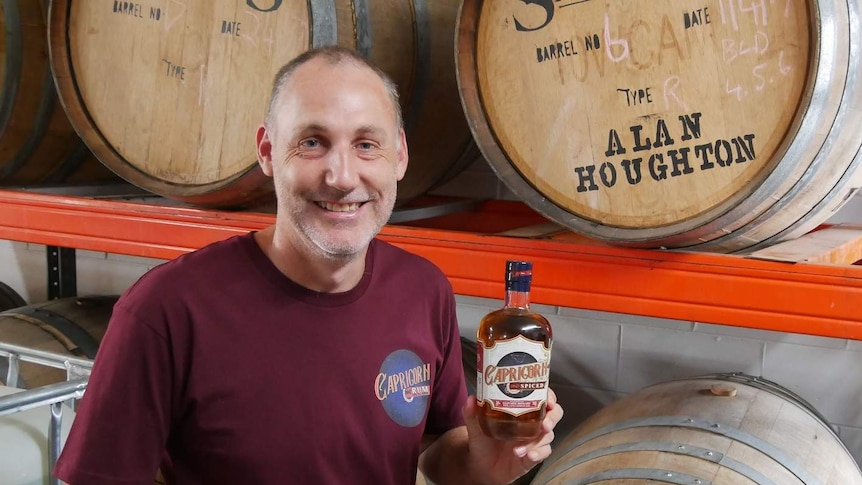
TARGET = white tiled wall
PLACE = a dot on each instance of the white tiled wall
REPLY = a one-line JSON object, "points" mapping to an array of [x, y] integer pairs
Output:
{"points": [[598, 357], [24, 268]]}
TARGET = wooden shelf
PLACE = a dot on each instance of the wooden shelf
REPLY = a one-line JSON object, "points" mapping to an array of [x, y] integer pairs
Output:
{"points": [[472, 246]]}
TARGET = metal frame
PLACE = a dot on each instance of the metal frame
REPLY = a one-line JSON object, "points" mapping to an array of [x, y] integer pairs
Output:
{"points": [[569, 271], [53, 395], [62, 273]]}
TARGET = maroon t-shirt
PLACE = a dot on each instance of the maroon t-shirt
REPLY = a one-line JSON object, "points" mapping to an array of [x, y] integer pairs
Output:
{"points": [[221, 370]]}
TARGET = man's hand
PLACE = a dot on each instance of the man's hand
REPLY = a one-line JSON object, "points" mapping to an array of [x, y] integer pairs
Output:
{"points": [[502, 462], [466, 455]]}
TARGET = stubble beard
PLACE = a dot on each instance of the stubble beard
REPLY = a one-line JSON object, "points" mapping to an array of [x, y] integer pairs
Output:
{"points": [[320, 238]]}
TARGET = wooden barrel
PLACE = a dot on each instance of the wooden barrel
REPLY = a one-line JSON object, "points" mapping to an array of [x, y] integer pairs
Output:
{"points": [[72, 326], [9, 298], [37, 143], [169, 93], [718, 126], [728, 429]]}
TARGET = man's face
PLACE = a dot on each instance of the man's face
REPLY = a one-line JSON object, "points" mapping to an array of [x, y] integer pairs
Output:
{"points": [[335, 153]]}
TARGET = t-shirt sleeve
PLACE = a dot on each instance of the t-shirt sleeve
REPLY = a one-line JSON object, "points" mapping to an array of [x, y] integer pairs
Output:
{"points": [[121, 426], [450, 391]]}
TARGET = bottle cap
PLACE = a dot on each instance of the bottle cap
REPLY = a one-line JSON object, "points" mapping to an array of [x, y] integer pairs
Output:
{"points": [[518, 275]]}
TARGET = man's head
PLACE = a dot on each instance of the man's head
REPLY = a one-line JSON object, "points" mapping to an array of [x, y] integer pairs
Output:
{"points": [[333, 143], [335, 55]]}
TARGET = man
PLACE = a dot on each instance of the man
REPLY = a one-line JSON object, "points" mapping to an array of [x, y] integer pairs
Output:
{"points": [[309, 352]]}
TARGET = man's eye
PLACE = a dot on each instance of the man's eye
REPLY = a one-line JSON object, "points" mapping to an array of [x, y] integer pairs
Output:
{"points": [[311, 143], [365, 145]]}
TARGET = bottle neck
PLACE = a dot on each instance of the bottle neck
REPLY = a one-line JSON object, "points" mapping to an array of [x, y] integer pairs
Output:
{"points": [[517, 299]]}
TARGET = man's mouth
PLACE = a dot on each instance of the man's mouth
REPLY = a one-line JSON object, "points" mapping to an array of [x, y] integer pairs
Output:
{"points": [[336, 207]]}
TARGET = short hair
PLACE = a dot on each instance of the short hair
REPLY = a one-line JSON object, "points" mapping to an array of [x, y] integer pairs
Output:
{"points": [[334, 55]]}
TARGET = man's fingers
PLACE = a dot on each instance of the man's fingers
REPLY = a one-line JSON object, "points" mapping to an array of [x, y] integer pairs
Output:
{"points": [[554, 412], [541, 450], [471, 416]]}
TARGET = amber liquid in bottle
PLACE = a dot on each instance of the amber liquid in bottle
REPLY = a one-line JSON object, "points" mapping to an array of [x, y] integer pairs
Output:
{"points": [[514, 351]]}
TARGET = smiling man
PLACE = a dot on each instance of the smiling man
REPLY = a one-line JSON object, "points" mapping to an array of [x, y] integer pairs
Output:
{"points": [[309, 352], [334, 145]]}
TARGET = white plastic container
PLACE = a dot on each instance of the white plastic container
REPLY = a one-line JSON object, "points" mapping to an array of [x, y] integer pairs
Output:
{"points": [[24, 443]]}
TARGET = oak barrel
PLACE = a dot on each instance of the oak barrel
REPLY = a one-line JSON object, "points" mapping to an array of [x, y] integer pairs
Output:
{"points": [[726, 429], [37, 143], [73, 326], [718, 126], [9, 298], [169, 93]]}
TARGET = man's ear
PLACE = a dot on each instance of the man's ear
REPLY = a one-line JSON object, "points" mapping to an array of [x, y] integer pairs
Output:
{"points": [[264, 151], [402, 156]]}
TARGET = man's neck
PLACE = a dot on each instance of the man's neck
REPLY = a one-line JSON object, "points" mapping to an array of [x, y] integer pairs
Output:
{"points": [[309, 268]]}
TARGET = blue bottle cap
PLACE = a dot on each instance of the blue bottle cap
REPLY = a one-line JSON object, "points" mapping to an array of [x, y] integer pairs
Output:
{"points": [[519, 274]]}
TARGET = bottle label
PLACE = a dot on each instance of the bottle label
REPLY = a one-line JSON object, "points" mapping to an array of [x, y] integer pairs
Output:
{"points": [[513, 375]]}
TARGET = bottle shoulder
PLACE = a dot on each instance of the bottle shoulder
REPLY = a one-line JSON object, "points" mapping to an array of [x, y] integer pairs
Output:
{"points": [[507, 323]]}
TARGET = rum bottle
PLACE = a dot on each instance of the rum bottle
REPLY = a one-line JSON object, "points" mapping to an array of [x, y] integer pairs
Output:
{"points": [[514, 357]]}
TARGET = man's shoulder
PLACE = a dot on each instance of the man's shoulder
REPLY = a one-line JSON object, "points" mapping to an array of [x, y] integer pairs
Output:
{"points": [[407, 269], [390, 255], [203, 267]]}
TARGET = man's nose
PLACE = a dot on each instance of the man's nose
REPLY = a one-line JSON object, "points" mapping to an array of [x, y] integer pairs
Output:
{"points": [[343, 169]]}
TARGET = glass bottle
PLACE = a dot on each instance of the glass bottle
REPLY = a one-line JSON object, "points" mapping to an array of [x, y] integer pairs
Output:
{"points": [[513, 357]]}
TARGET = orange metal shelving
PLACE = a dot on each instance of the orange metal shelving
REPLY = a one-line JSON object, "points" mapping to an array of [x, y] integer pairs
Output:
{"points": [[569, 271]]}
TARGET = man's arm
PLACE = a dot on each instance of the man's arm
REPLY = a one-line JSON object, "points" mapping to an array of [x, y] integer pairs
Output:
{"points": [[465, 455], [120, 427]]}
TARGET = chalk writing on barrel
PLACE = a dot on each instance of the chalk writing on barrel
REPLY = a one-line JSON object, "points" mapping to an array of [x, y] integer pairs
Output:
{"points": [[203, 86], [730, 12], [646, 43], [621, 44], [254, 30], [171, 16], [615, 42], [669, 90], [732, 48], [762, 73]]}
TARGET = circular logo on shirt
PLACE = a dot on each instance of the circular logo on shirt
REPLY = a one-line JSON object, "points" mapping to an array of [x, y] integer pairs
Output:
{"points": [[403, 386]]}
